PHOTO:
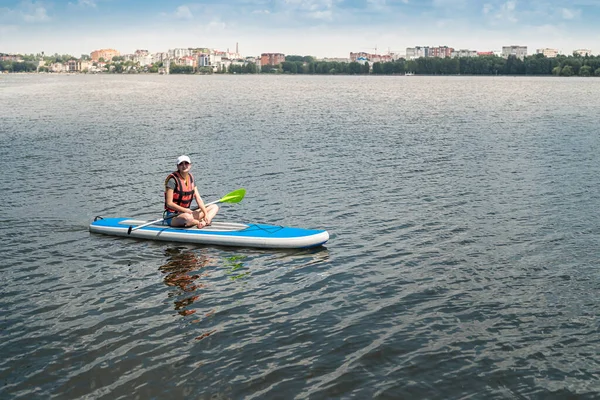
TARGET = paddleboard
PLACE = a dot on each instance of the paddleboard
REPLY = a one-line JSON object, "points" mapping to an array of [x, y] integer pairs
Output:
{"points": [[218, 233]]}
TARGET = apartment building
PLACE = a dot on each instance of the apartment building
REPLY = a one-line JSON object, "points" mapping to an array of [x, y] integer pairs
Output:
{"points": [[203, 60], [463, 53], [73, 65], [514, 50], [106, 54], [417, 52], [583, 52], [550, 53], [10, 57], [337, 59], [440, 51], [271, 58], [179, 52]]}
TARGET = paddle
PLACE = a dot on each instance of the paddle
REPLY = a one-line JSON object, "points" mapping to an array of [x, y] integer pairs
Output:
{"points": [[234, 197]]}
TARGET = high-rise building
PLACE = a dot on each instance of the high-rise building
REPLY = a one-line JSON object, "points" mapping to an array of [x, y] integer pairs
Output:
{"points": [[583, 52], [417, 52], [550, 53], [272, 58], [517, 51], [106, 54], [464, 53], [441, 51]]}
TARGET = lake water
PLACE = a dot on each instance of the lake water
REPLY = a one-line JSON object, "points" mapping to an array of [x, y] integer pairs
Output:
{"points": [[463, 259]]}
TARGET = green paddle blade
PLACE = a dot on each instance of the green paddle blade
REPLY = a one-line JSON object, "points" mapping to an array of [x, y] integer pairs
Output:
{"points": [[234, 197]]}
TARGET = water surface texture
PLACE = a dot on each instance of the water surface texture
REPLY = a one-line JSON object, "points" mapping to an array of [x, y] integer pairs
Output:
{"points": [[462, 264]]}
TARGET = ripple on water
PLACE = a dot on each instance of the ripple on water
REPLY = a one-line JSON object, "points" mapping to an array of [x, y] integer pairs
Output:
{"points": [[461, 262]]}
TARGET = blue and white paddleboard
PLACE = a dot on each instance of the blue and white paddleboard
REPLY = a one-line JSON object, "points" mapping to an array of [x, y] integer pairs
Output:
{"points": [[218, 233]]}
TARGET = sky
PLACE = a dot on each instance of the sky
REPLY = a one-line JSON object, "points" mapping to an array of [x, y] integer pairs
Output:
{"points": [[320, 28]]}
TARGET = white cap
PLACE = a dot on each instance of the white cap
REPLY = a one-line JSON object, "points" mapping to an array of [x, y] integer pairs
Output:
{"points": [[181, 159]]}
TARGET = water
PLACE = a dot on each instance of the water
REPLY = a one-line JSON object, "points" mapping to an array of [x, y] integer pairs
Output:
{"points": [[463, 260]]}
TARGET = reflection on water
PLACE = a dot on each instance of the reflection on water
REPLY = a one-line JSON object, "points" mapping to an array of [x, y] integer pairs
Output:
{"points": [[182, 272], [235, 265]]}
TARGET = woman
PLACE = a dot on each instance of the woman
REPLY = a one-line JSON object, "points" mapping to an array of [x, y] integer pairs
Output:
{"points": [[180, 190]]}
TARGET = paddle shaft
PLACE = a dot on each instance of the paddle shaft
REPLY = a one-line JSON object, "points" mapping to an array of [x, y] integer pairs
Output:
{"points": [[131, 228]]}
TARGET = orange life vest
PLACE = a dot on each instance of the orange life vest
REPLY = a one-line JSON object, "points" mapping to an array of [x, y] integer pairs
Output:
{"points": [[183, 193]]}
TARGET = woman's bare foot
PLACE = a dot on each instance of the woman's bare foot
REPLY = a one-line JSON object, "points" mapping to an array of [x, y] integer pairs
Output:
{"points": [[201, 224]]}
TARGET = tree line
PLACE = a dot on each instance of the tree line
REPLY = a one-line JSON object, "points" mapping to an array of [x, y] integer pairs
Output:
{"points": [[537, 64]]}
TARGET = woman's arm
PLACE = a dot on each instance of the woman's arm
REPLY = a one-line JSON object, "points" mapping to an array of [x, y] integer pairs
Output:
{"points": [[201, 204]]}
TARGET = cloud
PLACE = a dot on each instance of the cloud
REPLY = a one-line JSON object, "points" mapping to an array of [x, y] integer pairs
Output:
{"points": [[25, 11], [449, 3], [84, 4], [505, 13], [326, 15], [570, 14], [183, 12], [377, 3], [312, 9], [6, 29]]}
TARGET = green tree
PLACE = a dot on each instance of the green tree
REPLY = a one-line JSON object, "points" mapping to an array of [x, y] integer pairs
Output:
{"points": [[514, 66], [269, 69], [567, 70], [366, 68], [289, 67], [250, 68], [410, 66], [449, 66], [377, 68], [387, 67], [575, 63], [586, 70], [301, 67], [180, 69]]}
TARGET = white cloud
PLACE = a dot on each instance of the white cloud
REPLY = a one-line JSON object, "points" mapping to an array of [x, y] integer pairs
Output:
{"points": [[26, 11], [83, 5], [6, 29], [377, 3], [326, 15], [86, 3], [318, 9], [449, 3], [503, 14], [570, 14], [183, 12]]}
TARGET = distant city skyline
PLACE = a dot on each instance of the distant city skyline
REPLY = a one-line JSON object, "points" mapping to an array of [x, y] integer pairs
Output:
{"points": [[320, 28]]}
